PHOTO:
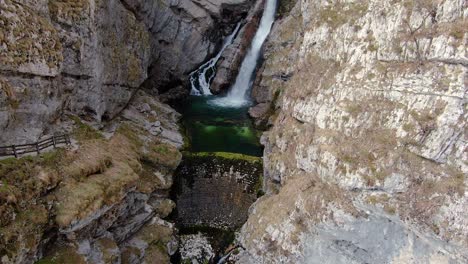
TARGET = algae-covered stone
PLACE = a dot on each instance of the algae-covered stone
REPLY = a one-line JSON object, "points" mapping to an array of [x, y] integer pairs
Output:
{"points": [[67, 253]]}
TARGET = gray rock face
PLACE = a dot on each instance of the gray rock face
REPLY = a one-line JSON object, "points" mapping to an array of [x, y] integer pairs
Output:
{"points": [[366, 158], [366, 241], [184, 34], [89, 57], [85, 57]]}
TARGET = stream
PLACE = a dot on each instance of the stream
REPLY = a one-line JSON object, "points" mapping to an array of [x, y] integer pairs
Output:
{"points": [[220, 176]]}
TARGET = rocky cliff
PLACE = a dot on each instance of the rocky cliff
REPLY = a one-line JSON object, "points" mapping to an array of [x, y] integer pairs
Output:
{"points": [[101, 201], [364, 102], [365, 158], [83, 56], [89, 57], [93, 69]]}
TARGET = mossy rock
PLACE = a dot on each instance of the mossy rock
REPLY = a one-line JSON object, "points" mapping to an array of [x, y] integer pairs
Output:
{"points": [[84, 131], [69, 11], [224, 155], [63, 254]]}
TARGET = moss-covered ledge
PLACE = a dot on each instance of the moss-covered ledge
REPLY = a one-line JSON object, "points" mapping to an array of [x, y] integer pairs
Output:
{"points": [[223, 155]]}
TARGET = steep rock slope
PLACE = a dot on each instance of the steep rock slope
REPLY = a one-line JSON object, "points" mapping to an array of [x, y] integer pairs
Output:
{"points": [[366, 160]]}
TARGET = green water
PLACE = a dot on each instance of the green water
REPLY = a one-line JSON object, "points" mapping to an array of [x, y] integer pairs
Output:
{"points": [[211, 128]]}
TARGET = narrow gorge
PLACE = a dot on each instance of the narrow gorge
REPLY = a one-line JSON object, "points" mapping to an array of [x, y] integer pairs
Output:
{"points": [[233, 131]]}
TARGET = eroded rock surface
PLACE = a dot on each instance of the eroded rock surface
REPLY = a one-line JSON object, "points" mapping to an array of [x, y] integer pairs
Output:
{"points": [[366, 158], [84, 56]]}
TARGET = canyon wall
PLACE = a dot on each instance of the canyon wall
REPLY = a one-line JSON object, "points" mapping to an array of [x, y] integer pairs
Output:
{"points": [[83, 56], [78, 67], [184, 34], [365, 158], [89, 57]]}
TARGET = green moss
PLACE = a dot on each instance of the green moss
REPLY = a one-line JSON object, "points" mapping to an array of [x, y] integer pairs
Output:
{"points": [[135, 70], [390, 209], [83, 131], [225, 155], [162, 154], [354, 108], [65, 254], [423, 116], [73, 10], [32, 38], [457, 31], [372, 47], [408, 127], [153, 152], [259, 187], [163, 149], [48, 260], [130, 133], [14, 170]]}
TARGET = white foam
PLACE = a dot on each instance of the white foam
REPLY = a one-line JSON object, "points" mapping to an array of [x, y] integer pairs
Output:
{"points": [[237, 95], [200, 75]]}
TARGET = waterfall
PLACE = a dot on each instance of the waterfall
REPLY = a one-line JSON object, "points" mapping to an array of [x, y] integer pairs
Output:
{"points": [[237, 95], [201, 78]]}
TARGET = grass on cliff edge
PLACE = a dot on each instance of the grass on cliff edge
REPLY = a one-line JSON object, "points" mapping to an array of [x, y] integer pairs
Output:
{"points": [[27, 183], [83, 131]]}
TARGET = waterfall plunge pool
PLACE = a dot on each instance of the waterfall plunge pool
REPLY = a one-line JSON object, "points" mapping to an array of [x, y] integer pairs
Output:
{"points": [[213, 128], [214, 186]]}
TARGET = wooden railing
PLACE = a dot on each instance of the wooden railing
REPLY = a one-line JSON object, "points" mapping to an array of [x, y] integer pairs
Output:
{"points": [[16, 150]]}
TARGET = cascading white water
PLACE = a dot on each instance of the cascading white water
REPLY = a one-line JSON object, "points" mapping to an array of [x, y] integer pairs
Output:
{"points": [[237, 95], [201, 78]]}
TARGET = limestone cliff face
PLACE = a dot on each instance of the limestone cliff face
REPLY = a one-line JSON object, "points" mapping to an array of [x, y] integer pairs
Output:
{"points": [[366, 160], [84, 56], [89, 57], [183, 35], [77, 65]]}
